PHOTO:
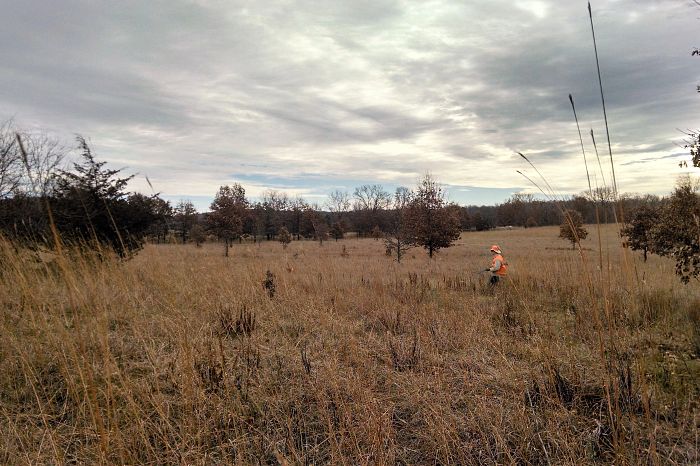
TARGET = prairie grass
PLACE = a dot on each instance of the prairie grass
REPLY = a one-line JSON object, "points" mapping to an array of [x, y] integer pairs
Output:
{"points": [[184, 356]]}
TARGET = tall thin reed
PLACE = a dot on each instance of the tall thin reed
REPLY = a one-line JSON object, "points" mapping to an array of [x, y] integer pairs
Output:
{"points": [[583, 149], [602, 98], [597, 155]]}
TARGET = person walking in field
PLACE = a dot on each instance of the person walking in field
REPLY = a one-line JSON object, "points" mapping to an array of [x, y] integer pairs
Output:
{"points": [[499, 266]]}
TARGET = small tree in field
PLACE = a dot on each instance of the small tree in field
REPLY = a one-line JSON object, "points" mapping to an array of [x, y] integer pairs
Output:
{"points": [[676, 233], [284, 237], [434, 226], [314, 224], [571, 228], [197, 235], [321, 232], [376, 232], [639, 229], [399, 237], [228, 210], [185, 217], [337, 231]]}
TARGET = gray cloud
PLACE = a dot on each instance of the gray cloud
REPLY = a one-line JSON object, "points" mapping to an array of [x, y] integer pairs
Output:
{"points": [[191, 92]]}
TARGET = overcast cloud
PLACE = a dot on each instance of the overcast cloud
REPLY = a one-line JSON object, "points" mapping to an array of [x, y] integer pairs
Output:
{"points": [[310, 96]]}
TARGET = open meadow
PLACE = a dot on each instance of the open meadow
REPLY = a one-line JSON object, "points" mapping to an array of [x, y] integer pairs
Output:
{"points": [[183, 356]]}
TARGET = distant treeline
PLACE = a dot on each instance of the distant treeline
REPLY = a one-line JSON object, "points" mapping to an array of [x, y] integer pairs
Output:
{"points": [[43, 202]]}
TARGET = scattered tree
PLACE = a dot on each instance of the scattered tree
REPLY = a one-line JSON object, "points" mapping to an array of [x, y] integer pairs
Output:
{"points": [[284, 237], [676, 233], [274, 205], [433, 225], [337, 231], [297, 207], [163, 213], [370, 201], [228, 211], [338, 202], [639, 229], [400, 235], [571, 228], [314, 225], [197, 235], [320, 231], [185, 217]]}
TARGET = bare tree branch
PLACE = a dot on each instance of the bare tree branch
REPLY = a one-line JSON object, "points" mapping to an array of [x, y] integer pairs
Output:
{"points": [[10, 160]]}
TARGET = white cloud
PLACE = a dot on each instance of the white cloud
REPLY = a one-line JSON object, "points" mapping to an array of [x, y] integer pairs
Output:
{"points": [[538, 8]]}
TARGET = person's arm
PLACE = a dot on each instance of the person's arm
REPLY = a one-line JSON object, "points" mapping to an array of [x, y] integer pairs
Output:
{"points": [[496, 266]]}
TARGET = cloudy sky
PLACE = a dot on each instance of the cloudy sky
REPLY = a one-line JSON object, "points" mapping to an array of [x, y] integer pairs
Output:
{"points": [[312, 96]]}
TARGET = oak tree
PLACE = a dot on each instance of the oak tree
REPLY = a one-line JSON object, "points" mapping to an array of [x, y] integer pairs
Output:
{"points": [[434, 226], [571, 228], [228, 211]]}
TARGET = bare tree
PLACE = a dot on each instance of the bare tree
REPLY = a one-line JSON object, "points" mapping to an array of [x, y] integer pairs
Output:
{"points": [[10, 160], [371, 197], [601, 194], [400, 236], [276, 200], [369, 201], [338, 202], [44, 158], [28, 161]]}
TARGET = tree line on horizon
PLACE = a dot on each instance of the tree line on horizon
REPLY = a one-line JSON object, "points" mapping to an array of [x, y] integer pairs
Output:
{"points": [[44, 202]]}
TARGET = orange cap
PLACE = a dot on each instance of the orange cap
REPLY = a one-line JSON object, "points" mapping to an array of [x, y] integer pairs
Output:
{"points": [[495, 249]]}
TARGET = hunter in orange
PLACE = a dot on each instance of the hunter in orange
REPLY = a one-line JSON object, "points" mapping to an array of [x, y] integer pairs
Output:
{"points": [[499, 266]]}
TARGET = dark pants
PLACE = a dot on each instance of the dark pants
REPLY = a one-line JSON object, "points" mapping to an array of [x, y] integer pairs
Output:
{"points": [[494, 280]]}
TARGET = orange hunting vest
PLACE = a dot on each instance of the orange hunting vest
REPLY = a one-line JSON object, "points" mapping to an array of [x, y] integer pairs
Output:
{"points": [[502, 271]]}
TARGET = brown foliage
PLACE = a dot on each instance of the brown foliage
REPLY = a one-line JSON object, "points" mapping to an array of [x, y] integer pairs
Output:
{"points": [[572, 228], [228, 212], [284, 237], [434, 226]]}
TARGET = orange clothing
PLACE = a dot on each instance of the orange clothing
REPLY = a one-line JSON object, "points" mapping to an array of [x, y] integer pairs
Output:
{"points": [[503, 269]]}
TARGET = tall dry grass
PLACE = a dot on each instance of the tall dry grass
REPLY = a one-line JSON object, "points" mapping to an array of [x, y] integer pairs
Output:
{"points": [[181, 356]]}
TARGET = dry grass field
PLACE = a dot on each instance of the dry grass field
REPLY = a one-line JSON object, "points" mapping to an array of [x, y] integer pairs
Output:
{"points": [[182, 356]]}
